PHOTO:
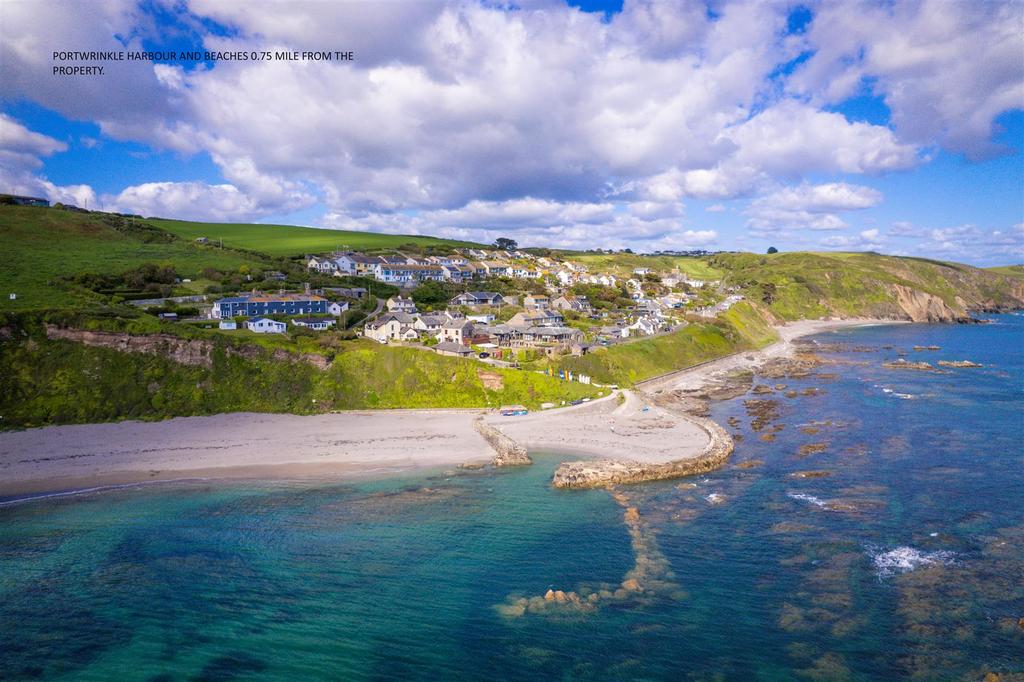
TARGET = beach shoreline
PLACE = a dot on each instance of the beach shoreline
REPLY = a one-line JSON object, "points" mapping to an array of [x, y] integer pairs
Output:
{"points": [[364, 443]]}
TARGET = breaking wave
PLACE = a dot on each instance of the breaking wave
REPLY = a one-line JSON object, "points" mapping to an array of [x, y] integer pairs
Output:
{"points": [[905, 559]]}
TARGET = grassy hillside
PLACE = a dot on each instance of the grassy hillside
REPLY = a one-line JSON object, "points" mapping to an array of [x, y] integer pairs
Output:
{"points": [[42, 245], [1014, 271], [624, 263], [289, 240], [743, 327], [62, 382], [814, 285]]}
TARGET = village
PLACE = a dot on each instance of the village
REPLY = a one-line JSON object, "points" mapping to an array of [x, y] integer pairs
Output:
{"points": [[511, 304]]}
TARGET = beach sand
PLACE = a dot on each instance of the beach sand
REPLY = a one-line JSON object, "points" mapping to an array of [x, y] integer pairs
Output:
{"points": [[349, 444]]}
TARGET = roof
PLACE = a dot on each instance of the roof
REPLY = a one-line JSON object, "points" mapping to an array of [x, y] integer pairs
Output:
{"points": [[314, 320], [451, 347], [263, 319], [434, 319], [460, 323], [282, 298]]}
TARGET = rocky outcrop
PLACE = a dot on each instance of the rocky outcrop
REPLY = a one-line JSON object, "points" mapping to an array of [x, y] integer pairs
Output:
{"points": [[193, 352], [596, 473], [507, 451], [920, 306]]}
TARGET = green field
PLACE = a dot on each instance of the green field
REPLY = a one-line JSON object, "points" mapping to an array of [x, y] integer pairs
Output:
{"points": [[290, 240], [42, 245], [1015, 271], [623, 264]]}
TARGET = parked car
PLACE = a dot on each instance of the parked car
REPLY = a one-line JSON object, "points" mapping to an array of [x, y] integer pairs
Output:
{"points": [[484, 356]]}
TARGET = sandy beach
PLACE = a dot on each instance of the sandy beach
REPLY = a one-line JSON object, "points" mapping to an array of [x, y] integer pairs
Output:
{"points": [[344, 445]]}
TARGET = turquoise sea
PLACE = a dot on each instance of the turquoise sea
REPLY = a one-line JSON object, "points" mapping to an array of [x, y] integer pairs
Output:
{"points": [[869, 526]]}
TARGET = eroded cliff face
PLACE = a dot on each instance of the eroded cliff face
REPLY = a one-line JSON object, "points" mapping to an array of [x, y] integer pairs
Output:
{"points": [[920, 306], [194, 352]]}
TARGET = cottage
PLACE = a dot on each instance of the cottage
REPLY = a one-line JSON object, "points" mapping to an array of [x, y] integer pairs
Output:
{"points": [[453, 349], [536, 318], [322, 265], [578, 304], [228, 324], [431, 324], [401, 305], [536, 302], [457, 331], [551, 335], [388, 327], [473, 298], [319, 324], [263, 325], [336, 308]]}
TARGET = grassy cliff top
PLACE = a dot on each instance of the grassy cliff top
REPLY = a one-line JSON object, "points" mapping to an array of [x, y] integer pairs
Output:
{"points": [[290, 240], [42, 245]]}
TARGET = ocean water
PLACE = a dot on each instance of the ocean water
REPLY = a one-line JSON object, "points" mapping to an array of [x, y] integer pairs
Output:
{"points": [[870, 526]]}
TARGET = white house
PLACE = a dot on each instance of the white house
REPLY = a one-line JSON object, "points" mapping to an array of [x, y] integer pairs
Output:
{"points": [[401, 305], [263, 325], [336, 308], [323, 265], [319, 324], [228, 324]]}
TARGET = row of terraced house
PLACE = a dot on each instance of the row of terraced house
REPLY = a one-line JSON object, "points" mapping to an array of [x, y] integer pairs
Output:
{"points": [[402, 269]]}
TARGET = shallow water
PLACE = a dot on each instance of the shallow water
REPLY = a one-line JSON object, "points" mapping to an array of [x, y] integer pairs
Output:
{"points": [[893, 548]]}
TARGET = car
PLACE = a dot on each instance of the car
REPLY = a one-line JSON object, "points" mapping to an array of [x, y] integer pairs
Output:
{"points": [[576, 402], [484, 356]]}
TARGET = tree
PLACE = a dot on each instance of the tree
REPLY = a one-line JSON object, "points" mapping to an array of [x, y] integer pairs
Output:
{"points": [[772, 249], [431, 296], [506, 244]]}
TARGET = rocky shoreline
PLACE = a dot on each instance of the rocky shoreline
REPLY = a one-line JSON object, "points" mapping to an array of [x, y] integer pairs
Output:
{"points": [[596, 473]]}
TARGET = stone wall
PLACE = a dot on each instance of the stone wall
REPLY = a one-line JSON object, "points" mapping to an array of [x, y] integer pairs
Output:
{"points": [[507, 451], [597, 473]]}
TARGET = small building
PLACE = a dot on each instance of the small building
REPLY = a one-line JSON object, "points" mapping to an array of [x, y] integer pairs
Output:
{"points": [[457, 331], [472, 298], [170, 317], [536, 302], [397, 304], [26, 201], [453, 349], [202, 240], [336, 308], [228, 324], [263, 325], [319, 324]]}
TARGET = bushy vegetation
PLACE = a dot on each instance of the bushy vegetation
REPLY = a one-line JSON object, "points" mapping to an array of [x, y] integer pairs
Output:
{"points": [[63, 382]]}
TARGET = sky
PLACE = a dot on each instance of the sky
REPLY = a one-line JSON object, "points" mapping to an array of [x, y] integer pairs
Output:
{"points": [[893, 126]]}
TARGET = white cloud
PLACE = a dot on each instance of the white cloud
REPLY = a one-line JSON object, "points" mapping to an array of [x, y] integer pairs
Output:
{"points": [[194, 201], [945, 69], [543, 119], [809, 206]]}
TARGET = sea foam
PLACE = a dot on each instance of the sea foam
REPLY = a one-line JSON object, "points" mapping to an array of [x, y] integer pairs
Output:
{"points": [[905, 559], [804, 497]]}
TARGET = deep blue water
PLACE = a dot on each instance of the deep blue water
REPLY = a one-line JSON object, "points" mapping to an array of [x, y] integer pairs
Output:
{"points": [[901, 554]]}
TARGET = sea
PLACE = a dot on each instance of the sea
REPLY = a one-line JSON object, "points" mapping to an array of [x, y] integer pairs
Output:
{"points": [[869, 526]]}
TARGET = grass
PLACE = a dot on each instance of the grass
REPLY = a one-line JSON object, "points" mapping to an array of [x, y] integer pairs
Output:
{"points": [[814, 285], [624, 263], [291, 240], [62, 382], [1014, 271], [43, 245]]}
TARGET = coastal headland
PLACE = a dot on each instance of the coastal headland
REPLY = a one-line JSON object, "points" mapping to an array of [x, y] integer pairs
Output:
{"points": [[628, 436]]}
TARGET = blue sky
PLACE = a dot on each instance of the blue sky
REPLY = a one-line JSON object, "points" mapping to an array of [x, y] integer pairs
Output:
{"points": [[642, 124]]}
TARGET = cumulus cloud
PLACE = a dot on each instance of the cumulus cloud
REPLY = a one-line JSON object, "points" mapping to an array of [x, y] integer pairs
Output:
{"points": [[945, 69], [543, 119], [809, 206], [193, 201]]}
